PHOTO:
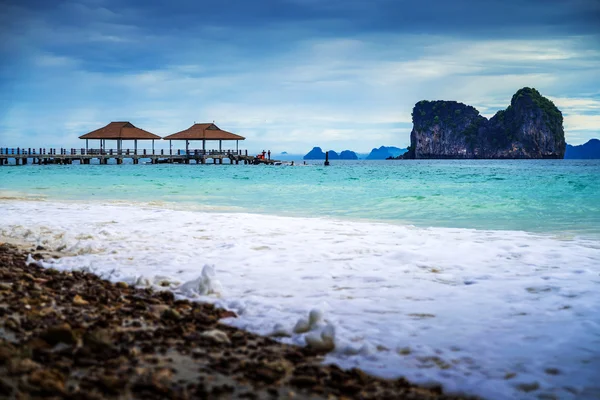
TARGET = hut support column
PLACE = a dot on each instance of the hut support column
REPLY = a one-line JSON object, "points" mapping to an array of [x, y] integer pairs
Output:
{"points": [[152, 146], [220, 146], [237, 142], [135, 146], [203, 145], [187, 147], [170, 148], [86, 146]]}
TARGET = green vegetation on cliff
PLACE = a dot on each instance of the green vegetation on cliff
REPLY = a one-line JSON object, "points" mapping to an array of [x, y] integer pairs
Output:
{"points": [[449, 129]]}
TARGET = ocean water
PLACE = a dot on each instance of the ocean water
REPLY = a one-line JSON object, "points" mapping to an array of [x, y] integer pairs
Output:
{"points": [[483, 276]]}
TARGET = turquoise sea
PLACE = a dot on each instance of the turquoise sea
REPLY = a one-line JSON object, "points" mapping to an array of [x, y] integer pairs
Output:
{"points": [[557, 196], [491, 268]]}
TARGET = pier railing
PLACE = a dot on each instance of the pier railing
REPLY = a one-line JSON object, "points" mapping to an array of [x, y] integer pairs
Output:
{"points": [[18, 151]]}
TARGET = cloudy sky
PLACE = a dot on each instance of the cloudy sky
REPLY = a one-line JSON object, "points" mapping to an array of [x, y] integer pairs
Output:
{"points": [[288, 74]]}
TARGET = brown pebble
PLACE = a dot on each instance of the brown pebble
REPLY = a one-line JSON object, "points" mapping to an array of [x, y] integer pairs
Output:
{"points": [[303, 381], [79, 301], [22, 366], [59, 334], [5, 388], [6, 352], [171, 314], [98, 340], [227, 314], [48, 380]]}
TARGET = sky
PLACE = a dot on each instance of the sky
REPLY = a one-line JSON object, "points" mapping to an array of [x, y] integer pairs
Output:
{"points": [[287, 74]]}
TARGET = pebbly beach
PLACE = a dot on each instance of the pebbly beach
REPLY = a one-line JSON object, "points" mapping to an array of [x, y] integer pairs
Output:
{"points": [[73, 335]]}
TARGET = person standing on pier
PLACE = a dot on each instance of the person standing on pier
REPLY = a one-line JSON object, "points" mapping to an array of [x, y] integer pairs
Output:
{"points": [[269, 154]]}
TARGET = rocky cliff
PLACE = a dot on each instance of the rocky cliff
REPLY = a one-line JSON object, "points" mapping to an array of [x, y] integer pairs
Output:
{"points": [[531, 127]]}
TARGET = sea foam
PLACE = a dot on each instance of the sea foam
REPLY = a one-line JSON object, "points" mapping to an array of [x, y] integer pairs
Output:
{"points": [[491, 313]]}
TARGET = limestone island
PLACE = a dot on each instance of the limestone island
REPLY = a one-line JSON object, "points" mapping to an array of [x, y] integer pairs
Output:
{"points": [[530, 128], [317, 154]]}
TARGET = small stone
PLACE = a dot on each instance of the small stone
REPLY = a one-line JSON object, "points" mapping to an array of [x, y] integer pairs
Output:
{"points": [[528, 387], [98, 340], [216, 336], [509, 375], [268, 373], [227, 314], [552, 371], [5, 286], [170, 315], [6, 352], [49, 380], [404, 351], [121, 285], [350, 388], [161, 379], [303, 381], [11, 324], [40, 248], [166, 296], [112, 384], [5, 388], [59, 334], [79, 301], [22, 366]]}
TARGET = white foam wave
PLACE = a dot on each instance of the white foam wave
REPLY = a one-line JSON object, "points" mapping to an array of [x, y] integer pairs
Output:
{"points": [[493, 313]]}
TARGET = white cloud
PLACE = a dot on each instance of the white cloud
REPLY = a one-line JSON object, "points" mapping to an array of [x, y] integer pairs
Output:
{"points": [[577, 104], [582, 123], [338, 93]]}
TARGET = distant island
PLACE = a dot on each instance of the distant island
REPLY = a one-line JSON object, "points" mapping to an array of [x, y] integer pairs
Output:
{"points": [[317, 154], [588, 150], [531, 127], [385, 152], [381, 153]]}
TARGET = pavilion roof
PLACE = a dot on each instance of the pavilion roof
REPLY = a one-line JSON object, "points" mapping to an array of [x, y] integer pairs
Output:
{"points": [[206, 131], [122, 131]]}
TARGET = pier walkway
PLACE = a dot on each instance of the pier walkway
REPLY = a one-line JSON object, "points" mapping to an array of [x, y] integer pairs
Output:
{"points": [[23, 156]]}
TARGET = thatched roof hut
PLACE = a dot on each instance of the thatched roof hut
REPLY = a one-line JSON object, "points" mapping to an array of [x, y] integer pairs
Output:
{"points": [[204, 132], [120, 131]]}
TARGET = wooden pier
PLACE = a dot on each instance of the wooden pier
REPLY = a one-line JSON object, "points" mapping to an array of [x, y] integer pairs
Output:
{"points": [[22, 156]]}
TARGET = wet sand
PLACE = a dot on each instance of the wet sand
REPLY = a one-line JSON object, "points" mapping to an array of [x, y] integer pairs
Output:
{"points": [[73, 335]]}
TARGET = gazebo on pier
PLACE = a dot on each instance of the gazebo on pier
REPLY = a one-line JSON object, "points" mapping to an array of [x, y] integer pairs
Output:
{"points": [[119, 131], [204, 132]]}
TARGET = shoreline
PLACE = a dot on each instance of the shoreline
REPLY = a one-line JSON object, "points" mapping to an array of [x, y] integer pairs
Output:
{"points": [[396, 311], [16, 197], [74, 335]]}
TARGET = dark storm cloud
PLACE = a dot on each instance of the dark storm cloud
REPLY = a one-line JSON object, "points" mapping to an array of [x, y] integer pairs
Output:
{"points": [[80, 62]]}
